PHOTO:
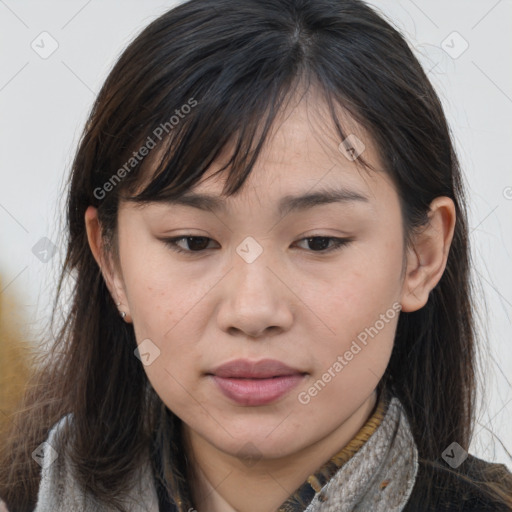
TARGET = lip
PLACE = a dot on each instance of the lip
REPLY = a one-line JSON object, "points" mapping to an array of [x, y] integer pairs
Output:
{"points": [[246, 369], [255, 383]]}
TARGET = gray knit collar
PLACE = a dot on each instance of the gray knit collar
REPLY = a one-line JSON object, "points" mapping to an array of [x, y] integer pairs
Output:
{"points": [[380, 476]]}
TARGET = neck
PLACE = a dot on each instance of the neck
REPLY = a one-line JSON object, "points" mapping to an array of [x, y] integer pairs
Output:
{"points": [[222, 482]]}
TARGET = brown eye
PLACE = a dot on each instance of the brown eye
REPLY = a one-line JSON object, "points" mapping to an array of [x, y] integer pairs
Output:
{"points": [[321, 243], [191, 243]]}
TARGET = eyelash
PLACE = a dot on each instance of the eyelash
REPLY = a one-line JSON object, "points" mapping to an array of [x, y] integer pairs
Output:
{"points": [[339, 243]]}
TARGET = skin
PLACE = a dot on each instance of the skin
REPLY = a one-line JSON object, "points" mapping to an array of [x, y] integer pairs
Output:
{"points": [[294, 303]]}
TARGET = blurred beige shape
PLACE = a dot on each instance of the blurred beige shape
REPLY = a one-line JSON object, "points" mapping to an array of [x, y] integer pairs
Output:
{"points": [[14, 366]]}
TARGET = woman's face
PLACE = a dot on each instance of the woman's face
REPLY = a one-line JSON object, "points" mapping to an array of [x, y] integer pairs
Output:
{"points": [[253, 288]]}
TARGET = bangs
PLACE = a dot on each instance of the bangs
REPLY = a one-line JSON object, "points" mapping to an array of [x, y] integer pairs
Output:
{"points": [[183, 93], [242, 123]]}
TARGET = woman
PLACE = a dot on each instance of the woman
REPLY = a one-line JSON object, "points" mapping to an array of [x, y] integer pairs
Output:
{"points": [[272, 307]]}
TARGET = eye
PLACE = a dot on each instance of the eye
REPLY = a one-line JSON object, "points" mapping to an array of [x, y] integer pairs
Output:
{"points": [[321, 243], [198, 244], [194, 243]]}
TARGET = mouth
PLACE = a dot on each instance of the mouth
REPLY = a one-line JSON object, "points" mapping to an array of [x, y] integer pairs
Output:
{"points": [[255, 383]]}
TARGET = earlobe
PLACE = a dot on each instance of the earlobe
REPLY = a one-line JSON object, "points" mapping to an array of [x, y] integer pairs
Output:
{"points": [[112, 280], [426, 259]]}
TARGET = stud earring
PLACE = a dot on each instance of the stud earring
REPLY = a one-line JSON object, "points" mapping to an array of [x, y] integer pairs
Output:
{"points": [[122, 313]]}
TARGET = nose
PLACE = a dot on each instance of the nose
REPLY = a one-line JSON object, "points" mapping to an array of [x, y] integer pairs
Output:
{"points": [[256, 299]]}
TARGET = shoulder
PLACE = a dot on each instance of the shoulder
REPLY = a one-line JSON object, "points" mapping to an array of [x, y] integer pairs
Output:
{"points": [[440, 488], [58, 488], [60, 491]]}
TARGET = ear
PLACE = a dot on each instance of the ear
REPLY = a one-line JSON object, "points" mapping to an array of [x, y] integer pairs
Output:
{"points": [[426, 259], [111, 274]]}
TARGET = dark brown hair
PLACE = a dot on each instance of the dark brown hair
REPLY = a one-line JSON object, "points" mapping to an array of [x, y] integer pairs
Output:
{"points": [[240, 61]]}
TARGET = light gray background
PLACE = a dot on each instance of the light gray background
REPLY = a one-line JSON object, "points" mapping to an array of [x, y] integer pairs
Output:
{"points": [[44, 104]]}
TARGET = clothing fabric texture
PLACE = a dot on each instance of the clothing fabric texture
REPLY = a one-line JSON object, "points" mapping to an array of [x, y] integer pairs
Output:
{"points": [[377, 471]]}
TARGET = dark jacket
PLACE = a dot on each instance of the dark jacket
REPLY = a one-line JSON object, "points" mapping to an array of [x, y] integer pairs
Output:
{"points": [[441, 489]]}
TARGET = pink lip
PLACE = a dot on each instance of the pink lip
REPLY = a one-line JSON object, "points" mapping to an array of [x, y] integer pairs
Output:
{"points": [[245, 369], [255, 383]]}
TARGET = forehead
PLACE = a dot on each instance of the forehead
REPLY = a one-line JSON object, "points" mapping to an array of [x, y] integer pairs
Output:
{"points": [[303, 151]]}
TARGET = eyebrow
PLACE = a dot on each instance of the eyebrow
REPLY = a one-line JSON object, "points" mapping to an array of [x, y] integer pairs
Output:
{"points": [[287, 204]]}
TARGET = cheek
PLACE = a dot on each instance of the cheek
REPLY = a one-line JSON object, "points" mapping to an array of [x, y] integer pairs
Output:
{"points": [[351, 295], [164, 306], [357, 310], [360, 342], [159, 294], [373, 279], [350, 363]]}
